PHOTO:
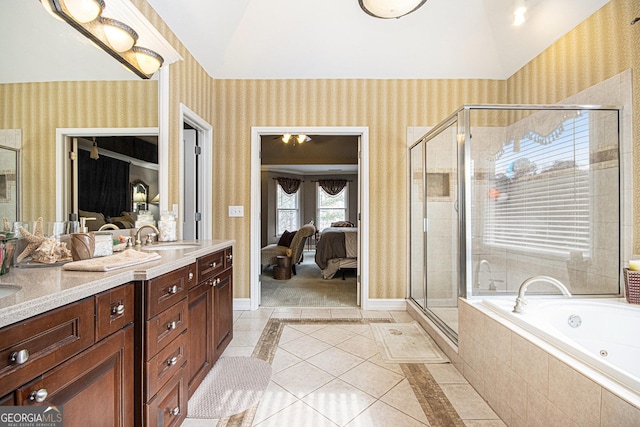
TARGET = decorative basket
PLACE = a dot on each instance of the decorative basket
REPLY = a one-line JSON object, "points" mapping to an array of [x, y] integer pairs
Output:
{"points": [[632, 286]]}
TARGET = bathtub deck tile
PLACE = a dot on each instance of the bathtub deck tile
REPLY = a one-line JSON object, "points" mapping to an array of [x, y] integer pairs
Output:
{"points": [[574, 393], [614, 408]]}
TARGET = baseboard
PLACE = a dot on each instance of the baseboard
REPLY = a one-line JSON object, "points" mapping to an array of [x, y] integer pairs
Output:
{"points": [[242, 304], [399, 304]]}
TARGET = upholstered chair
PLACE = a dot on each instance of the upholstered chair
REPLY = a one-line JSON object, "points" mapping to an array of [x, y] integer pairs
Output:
{"points": [[269, 254]]}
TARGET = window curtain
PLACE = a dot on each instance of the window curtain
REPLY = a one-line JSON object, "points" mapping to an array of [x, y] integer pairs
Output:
{"points": [[332, 186], [103, 184], [289, 185]]}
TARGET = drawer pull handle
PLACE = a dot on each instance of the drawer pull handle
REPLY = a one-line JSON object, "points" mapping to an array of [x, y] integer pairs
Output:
{"points": [[190, 275], [175, 411], [39, 395], [230, 257], [213, 264], [117, 310], [172, 361], [19, 357], [172, 325], [173, 289]]}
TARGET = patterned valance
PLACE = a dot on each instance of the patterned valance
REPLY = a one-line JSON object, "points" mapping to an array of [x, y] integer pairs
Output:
{"points": [[289, 185], [332, 186]]}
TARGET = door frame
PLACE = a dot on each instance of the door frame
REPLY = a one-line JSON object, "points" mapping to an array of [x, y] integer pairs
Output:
{"points": [[363, 194], [205, 140]]}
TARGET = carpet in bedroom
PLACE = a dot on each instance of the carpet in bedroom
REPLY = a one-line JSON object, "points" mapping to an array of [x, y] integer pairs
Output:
{"points": [[308, 288]]}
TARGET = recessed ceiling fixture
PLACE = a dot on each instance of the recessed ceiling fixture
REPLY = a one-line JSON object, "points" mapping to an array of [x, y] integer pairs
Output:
{"points": [[296, 139], [387, 9], [519, 9]]}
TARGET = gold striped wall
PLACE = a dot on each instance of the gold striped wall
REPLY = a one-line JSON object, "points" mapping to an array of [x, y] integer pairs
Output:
{"points": [[601, 47], [39, 108]]}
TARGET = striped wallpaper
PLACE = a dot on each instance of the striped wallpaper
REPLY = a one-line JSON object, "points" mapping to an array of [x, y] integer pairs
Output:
{"points": [[602, 46]]}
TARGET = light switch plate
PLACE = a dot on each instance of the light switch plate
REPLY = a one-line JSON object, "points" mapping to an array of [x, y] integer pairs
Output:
{"points": [[236, 211]]}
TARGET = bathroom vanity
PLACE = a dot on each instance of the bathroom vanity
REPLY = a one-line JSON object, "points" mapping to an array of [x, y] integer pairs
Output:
{"points": [[126, 347]]}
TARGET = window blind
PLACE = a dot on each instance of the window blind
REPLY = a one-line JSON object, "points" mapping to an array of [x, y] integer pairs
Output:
{"points": [[540, 196]]}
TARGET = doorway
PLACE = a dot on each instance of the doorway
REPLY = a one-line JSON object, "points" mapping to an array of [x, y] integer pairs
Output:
{"points": [[195, 152], [258, 216]]}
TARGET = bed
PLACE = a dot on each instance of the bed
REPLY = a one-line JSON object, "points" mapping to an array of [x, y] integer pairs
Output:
{"points": [[336, 250]]}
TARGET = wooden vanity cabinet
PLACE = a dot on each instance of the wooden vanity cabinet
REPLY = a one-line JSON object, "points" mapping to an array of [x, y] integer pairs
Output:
{"points": [[80, 356], [210, 314], [166, 349]]}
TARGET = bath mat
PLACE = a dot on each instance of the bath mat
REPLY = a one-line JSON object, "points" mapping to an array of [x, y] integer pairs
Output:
{"points": [[233, 385], [406, 343]]}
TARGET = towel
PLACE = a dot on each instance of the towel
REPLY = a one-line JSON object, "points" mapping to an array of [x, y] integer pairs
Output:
{"points": [[124, 259]]}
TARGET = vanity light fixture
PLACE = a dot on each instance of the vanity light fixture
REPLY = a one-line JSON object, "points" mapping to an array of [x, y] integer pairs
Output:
{"points": [[120, 36], [113, 36], [387, 9]]}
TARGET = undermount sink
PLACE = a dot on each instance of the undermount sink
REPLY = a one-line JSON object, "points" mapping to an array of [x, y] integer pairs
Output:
{"points": [[169, 247], [6, 290]]}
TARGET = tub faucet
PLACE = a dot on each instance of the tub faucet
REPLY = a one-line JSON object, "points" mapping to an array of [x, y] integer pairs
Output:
{"points": [[480, 264], [521, 302], [138, 242]]}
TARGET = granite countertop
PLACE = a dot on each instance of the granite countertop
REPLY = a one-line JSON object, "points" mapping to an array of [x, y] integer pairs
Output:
{"points": [[45, 288]]}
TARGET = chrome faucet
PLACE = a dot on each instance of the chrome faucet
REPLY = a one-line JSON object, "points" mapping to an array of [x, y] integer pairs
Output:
{"points": [[521, 302], [480, 264], [153, 227]]}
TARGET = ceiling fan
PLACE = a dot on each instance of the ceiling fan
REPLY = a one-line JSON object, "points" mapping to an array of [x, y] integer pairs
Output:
{"points": [[294, 139]]}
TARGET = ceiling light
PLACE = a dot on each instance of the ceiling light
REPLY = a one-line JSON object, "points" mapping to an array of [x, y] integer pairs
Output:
{"points": [[297, 139], [84, 10], [519, 9], [390, 8], [286, 138], [120, 36], [148, 60]]}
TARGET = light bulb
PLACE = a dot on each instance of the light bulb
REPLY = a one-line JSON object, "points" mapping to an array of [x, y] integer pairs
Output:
{"points": [[302, 138], [148, 60], [120, 36], [84, 10], [286, 138]]}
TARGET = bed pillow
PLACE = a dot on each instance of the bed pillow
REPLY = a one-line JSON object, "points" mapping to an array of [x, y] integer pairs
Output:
{"points": [[286, 238]]}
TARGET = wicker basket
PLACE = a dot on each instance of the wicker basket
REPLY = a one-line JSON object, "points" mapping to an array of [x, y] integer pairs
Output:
{"points": [[632, 286]]}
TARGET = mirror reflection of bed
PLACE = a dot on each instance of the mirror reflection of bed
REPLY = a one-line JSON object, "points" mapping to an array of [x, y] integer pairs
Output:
{"points": [[317, 227]]}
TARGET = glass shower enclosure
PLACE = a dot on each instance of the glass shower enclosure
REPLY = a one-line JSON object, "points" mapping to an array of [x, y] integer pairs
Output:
{"points": [[500, 193]]}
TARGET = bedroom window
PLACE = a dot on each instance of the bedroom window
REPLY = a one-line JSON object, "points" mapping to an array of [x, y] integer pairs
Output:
{"points": [[331, 208], [288, 211]]}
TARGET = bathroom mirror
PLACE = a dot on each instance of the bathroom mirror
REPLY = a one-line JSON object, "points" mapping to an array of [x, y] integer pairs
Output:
{"points": [[52, 77]]}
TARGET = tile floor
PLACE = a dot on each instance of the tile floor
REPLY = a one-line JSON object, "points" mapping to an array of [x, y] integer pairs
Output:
{"points": [[332, 375]]}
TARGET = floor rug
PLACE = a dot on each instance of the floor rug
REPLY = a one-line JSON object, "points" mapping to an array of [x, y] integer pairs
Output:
{"points": [[308, 288], [232, 386], [406, 343]]}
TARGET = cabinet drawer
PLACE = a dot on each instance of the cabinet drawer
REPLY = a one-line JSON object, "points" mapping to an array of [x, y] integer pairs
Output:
{"points": [[95, 388], [165, 364], [43, 342], [114, 310], [169, 406], [166, 290], [211, 264], [165, 327]]}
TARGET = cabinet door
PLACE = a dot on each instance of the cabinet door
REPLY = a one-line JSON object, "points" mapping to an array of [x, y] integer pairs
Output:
{"points": [[222, 311], [169, 407], [94, 388], [200, 334]]}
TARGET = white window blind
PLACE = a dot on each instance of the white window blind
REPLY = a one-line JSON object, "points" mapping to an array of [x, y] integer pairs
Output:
{"points": [[540, 196]]}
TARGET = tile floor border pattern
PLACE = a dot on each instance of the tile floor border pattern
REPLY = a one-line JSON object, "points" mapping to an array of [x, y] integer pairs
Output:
{"points": [[435, 404]]}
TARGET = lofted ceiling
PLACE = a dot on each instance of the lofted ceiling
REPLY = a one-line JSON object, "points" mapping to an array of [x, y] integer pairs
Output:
{"points": [[319, 39]]}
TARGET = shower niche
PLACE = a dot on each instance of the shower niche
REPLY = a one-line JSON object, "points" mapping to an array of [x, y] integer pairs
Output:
{"points": [[500, 193]]}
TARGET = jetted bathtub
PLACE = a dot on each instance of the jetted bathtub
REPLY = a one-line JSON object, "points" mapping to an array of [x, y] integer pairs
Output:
{"points": [[604, 334]]}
